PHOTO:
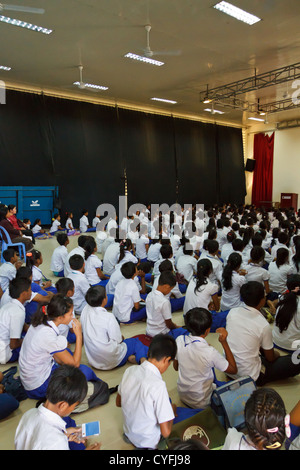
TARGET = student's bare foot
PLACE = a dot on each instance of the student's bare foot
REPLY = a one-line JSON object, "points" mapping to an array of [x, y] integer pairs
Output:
{"points": [[132, 359]]}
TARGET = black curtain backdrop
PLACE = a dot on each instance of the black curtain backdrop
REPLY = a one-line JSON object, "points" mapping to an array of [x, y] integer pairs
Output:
{"points": [[84, 148]]}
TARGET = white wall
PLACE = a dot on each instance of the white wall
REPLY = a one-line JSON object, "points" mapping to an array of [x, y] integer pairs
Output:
{"points": [[286, 166]]}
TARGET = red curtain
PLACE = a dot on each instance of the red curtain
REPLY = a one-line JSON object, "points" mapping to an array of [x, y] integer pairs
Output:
{"points": [[262, 188]]}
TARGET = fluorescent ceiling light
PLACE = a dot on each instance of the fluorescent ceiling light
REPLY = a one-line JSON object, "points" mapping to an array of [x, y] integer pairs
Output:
{"points": [[164, 100], [3, 67], [256, 119], [130, 55], [216, 111], [206, 101], [23, 24], [237, 13], [91, 85]]}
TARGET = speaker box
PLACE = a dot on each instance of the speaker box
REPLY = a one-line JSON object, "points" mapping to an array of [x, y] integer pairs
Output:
{"points": [[250, 165]]}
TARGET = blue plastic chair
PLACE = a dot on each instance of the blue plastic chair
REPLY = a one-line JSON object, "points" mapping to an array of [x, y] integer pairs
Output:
{"points": [[7, 243]]}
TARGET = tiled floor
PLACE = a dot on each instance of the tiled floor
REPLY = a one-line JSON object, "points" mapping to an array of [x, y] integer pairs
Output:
{"points": [[109, 415]]}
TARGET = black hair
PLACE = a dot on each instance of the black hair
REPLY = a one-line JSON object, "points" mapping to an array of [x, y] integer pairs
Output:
{"points": [[162, 346], [145, 266], [282, 256], [76, 262], [166, 251], [58, 306], [128, 269], [95, 296], [24, 272], [257, 240], [257, 254], [265, 411], [32, 256], [67, 384], [197, 321], [36, 222], [167, 278], [238, 244], [252, 293], [212, 246], [283, 238], [64, 285], [165, 265], [287, 305], [204, 269], [175, 443], [62, 238], [8, 254], [81, 240], [89, 247], [17, 286], [233, 263], [125, 245]]}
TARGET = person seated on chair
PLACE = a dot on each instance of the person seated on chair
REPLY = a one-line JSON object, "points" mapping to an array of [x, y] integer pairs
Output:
{"points": [[15, 235]]}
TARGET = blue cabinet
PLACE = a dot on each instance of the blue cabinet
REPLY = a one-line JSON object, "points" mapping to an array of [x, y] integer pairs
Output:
{"points": [[33, 202]]}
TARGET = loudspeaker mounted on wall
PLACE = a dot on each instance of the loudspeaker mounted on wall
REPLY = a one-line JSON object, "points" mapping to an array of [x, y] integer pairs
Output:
{"points": [[250, 165]]}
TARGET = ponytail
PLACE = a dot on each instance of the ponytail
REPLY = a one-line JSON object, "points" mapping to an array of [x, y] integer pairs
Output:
{"points": [[58, 306], [89, 247], [233, 263], [204, 268], [125, 245], [288, 303]]}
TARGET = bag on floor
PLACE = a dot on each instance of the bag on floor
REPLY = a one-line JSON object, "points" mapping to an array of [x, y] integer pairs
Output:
{"points": [[98, 394], [13, 384], [229, 400], [203, 426]]}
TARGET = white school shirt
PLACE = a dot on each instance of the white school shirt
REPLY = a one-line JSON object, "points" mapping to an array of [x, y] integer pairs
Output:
{"points": [[41, 429], [217, 265], [54, 226], [280, 245], [236, 440], [175, 243], [69, 224], [12, 319], [103, 341], [292, 333], [187, 266], [156, 271], [201, 298], [126, 295], [158, 310], [232, 298], [36, 229], [59, 258], [36, 354], [111, 257], [95, 222], [145, 404], [278, 276], [248, 331], [7, 273], [100, 238], [76, 251], [196, 360], [140, 247], [128, 257], [91, 264], [37, 275], [83, 224], [154, 252], [81, 286], [256, 273], [175, 291]]}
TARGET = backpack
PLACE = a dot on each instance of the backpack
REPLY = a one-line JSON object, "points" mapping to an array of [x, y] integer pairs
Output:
{"points": [[13, 385]]}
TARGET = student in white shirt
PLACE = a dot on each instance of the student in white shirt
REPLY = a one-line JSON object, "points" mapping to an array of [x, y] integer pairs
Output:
{"points": [[12, 320], [187, 264], [201, 292], [196, 360], [104, 344], [233, 278], [34, 259], [175, 296], [127, 306], [84, 224], [93, 264], [79, 250], [283, 242], [38, 231], [142, 244], [286, 327], [147, 412], [212, 247], [255, 271], [55, 227], [8, 269], [95, 221], [111, 256], [59, 255], [81, 284], [267, 424], [126, 253], [69, 225], [251, 341], [46, 427], [44, 347], [279, 270], [158, 308], [154, 251], [166, 252]]}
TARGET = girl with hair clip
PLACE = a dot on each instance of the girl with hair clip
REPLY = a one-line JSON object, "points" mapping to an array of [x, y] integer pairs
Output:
{"points": [[69, 224], [233, 277], [44, 348], [267, 423], [34, 259], [286, 328], [93, 264], [126, 253]]}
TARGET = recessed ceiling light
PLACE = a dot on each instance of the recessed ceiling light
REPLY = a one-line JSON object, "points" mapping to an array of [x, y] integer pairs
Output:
{"points": [[23, 24], [164, 100], [91, 85], [215, 111], [237, 13], [3, 67], [140, 58], [256, 119]]}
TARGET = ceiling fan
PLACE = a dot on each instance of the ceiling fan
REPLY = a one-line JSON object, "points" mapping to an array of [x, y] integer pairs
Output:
{"points": [[148, 51], [83, 85], [23, 9]]}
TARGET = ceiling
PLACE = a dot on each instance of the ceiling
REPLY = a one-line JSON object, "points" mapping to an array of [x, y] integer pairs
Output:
{"points": [[215, 50]]}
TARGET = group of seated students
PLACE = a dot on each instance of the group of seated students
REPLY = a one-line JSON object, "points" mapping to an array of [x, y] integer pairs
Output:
{"points": [[233, 271]]}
